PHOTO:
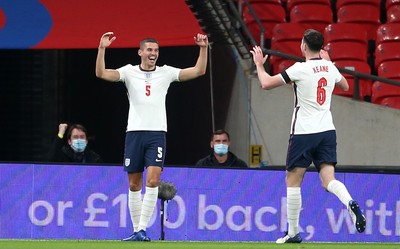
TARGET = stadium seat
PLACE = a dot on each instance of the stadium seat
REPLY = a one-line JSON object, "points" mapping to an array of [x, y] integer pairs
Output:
{"points": [[340, 3], [287, 32], [314, 16], [365, 85], [337, 32], [264, 1], [389, 32], [287, 47], [364, 14], [393, 14], [387, 51], [291, 3], [347, 50], [274, 2], [283, 65], [393, 102], [389, 69], [268, 14], [386, 94], [390, 3]]}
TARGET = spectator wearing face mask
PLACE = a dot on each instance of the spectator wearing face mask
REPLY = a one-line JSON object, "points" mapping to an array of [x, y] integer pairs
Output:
{"points": [[75, 150], [221, 156]]}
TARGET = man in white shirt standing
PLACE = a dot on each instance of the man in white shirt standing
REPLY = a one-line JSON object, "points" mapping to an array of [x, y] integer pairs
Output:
{"points": [[312, 135], [147, 86]]}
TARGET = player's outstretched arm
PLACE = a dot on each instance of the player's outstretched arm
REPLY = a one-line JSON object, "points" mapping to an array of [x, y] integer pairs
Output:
{"points": [[201, 65], [101, 71], [267, 81]]}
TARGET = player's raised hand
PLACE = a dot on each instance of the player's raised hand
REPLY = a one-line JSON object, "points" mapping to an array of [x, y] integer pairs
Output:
{"points": [[105, 40], [201, 40], [324, 55], [258, 57]]}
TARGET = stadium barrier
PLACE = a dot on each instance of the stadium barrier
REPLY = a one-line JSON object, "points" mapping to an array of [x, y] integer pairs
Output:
{"points": [[43, 201]]}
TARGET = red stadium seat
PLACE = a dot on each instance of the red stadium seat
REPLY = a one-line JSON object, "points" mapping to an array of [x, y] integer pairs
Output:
{"points": [[390, 3], [291, 3], [389, 69], [389, 32], [393, 102], [287, 47], [393, 14], [269, 15], [340, 3], [388, 51], [386, 94], [266, 1], [314, 16], [338, 32], [278, 2], [288, 32], [347, 50], [283, 65], [275, 2], [364, 14], [365, 85]]}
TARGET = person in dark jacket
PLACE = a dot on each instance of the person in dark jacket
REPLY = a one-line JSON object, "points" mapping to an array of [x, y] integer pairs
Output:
{"points": [[75, 150], [221, 156]]}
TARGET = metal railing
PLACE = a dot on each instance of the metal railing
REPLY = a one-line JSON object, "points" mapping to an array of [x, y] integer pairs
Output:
{"points": [[357, 75]]}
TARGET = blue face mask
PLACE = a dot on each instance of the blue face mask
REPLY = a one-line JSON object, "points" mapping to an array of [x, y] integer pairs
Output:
{"points": [[78, 145], [221, 149]]}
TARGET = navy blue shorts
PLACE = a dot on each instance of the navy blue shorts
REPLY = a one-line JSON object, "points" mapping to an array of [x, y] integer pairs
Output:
{"points": [[314, 148], [143, 149]]}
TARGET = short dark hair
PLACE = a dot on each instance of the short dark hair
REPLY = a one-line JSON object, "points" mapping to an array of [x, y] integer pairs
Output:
{"points": [[220, 132], [142, 42], [313, 39], [75, 126]]}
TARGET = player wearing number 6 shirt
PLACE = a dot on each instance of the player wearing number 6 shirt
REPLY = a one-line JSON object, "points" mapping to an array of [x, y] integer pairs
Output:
{"points": [[147, 86], [312, 136]]}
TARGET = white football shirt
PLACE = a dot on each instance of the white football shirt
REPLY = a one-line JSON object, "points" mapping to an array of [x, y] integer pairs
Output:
{"points": [[147, 92], [313, 84]]}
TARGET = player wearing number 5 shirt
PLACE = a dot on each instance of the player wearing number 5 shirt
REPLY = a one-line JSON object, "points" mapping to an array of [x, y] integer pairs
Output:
{"points": [[312, 135], [147, 86]]}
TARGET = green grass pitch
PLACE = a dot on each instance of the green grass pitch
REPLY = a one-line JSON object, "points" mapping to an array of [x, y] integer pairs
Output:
{"points": [[111, 244]]}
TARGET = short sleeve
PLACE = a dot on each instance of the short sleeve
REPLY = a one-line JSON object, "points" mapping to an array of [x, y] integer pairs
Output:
{"points": [[122, 72], [174, 72], [338, 75], [294, 71]]}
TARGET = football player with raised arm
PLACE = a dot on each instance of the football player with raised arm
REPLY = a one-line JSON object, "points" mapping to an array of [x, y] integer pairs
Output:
{"points": [[147, 85], [313, 135]]}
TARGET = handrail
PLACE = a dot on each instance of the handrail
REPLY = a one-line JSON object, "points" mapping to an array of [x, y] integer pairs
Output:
{"points": [[357, 75], [257, 21], [238, 14]]}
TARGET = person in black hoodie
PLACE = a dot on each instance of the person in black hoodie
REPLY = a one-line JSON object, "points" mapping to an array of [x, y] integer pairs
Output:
{"points": [[221, 156], [75, 150]]}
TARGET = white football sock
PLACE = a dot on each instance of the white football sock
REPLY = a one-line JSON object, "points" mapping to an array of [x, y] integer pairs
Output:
{"points": [[293, 209], [149, 203], [135, 208], [337, 188]]}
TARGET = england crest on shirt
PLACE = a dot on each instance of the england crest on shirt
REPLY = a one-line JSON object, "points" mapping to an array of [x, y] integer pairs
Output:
{"points": [[127, 162]]}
